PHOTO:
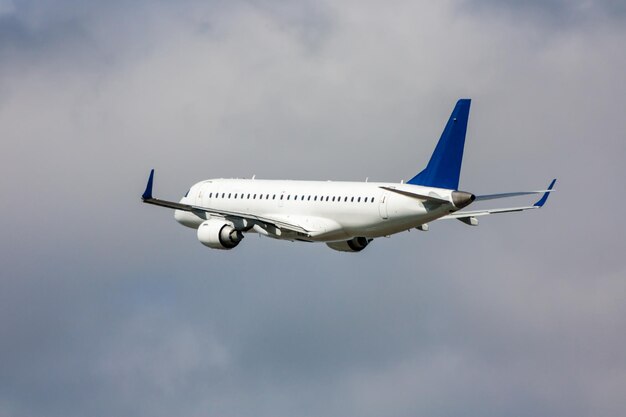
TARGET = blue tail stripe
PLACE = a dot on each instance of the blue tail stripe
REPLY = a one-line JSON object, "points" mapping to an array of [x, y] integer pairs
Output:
{"points": [[444, 168]]}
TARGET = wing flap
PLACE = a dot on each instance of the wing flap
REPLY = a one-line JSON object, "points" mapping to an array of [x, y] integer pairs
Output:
{"points": [[168, 204], [478, 213]]}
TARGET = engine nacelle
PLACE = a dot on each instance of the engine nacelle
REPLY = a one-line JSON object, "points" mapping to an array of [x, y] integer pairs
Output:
{"points": [[219, 234], [356, 244]]}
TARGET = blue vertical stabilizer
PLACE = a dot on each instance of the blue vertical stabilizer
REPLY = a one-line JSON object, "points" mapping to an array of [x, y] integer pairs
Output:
{"points": [[444, 168]]}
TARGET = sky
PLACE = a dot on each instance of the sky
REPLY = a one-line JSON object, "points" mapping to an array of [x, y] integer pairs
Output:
{"points": [[108, 307]]}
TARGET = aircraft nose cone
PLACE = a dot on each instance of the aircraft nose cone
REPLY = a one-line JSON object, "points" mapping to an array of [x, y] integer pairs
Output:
{"points": [[462, 199]]}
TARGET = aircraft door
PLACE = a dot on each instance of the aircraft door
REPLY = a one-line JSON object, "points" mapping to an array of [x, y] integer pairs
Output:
{"points": [[205, 195], [382, 207], [209, 196], [200, 196]]}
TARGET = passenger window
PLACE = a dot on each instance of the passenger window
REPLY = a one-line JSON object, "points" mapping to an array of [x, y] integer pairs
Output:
{"points": [[352, 200], [210, 195], [315, 198], [235, 196], [359, 200], [308, 198]]}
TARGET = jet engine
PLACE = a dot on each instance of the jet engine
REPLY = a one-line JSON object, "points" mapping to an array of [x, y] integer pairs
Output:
{"points": [[356, 244], [219, 234]]}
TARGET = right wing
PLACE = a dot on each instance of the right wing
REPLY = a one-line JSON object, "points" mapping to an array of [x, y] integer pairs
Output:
{"points": [[468, 217]]}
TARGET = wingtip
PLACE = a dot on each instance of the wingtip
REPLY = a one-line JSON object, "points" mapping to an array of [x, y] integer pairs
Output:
{"points": [[147, 194], [545, 195]]}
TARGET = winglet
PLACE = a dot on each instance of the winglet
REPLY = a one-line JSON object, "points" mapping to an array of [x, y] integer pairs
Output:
{"points": [[147, 195], [544, 198]]}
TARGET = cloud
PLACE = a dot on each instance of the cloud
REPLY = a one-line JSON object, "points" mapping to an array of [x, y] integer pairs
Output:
{"points": [[555, 14], [108, 307]]}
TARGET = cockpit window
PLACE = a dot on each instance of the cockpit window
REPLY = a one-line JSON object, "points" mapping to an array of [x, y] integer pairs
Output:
{"points": [[187, 193]]}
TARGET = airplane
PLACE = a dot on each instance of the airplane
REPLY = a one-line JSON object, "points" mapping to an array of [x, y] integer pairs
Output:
{"points": [[346, 216]]}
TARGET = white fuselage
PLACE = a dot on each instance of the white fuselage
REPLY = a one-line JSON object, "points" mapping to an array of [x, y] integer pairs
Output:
{"points": [[327, 210], [345, 215]]}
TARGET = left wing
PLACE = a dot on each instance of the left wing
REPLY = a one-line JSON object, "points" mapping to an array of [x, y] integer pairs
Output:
{"points": [[280, 224], [468, 217]]}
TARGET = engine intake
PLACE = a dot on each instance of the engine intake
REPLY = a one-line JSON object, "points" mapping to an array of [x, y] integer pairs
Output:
{"points": [[356, 244], [219, 234]]}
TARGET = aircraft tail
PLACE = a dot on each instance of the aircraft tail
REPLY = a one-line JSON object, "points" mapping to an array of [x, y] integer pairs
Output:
{"points": [[444, 168]]}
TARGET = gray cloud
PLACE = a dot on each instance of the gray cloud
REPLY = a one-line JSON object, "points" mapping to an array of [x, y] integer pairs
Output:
{"points": [[108, 307], [557, 14]]}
